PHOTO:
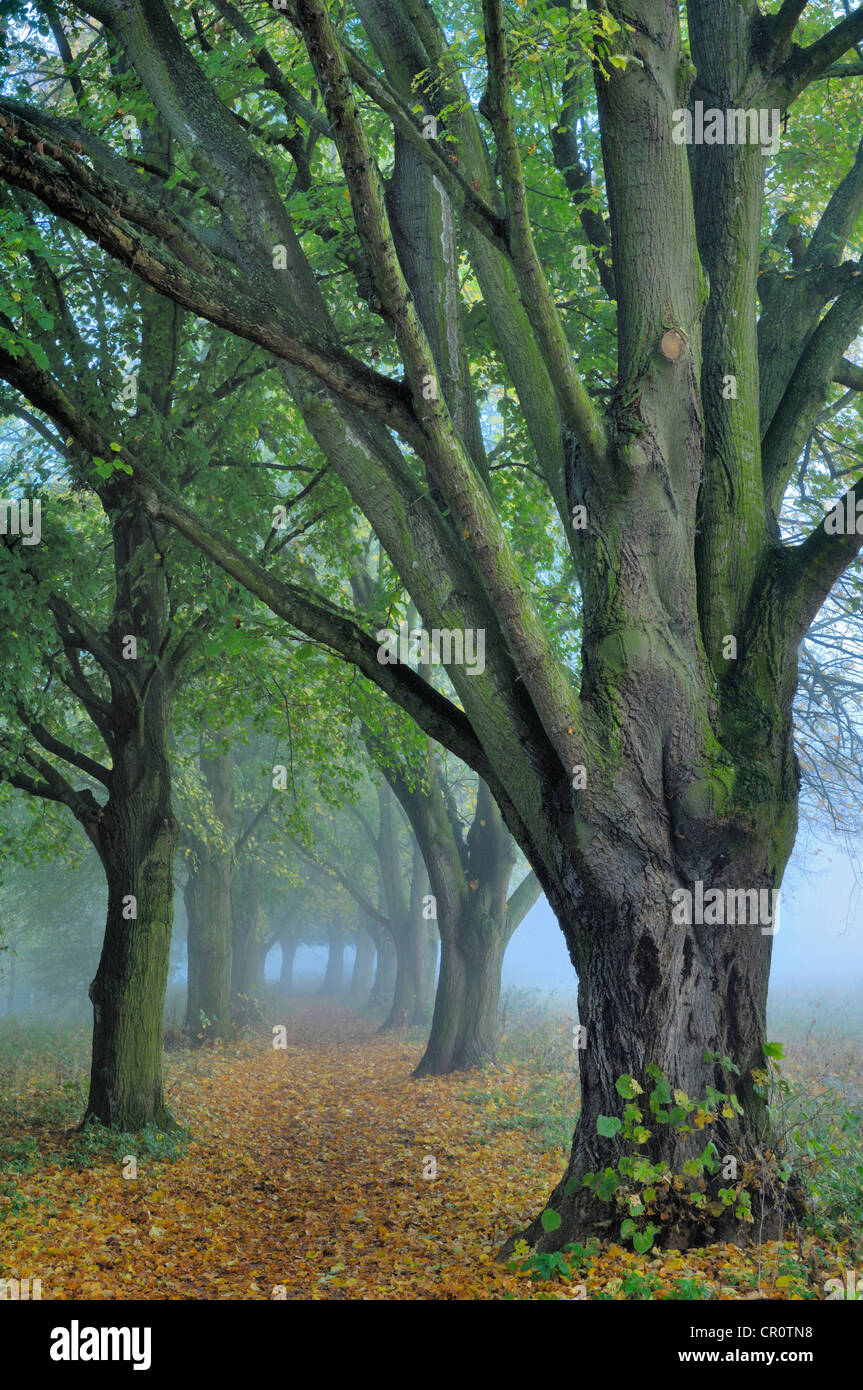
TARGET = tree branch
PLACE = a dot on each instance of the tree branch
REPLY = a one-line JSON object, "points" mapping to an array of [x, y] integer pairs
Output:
{"points": [[356, 893], [536, 295], [808, 389], [441, 449], [82, 761], [193, 278], [522, 900], [849, 374], [319, 620], [809, 571], [784, 22], [805, 64]]}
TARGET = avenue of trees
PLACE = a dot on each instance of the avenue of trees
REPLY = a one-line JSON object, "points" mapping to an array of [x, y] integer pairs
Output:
{"points": [[317, 320]]}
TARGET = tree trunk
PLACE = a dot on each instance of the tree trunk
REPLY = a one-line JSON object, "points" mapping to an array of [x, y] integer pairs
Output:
{"points": [[137, 840], [245, 940], [361, 979], [422, 962], [288, 943], [385, 971], [333, 983], [403, 1004], [208, 1010], [465, 1020], [653, 991], [208, 913], [474, 918]]}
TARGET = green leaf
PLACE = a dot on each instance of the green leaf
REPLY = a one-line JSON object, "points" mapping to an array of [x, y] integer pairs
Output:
{"points": [[627, 1228], [550, 1219], [607, 1185], [773, 1049], [608, 1126], [642, 1240], [627, 1087]]}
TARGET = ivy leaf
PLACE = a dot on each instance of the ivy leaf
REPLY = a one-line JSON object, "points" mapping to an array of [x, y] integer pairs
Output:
{"points": [[642, 1240], [607, 1185], [608, 1126], [627, 1087]]}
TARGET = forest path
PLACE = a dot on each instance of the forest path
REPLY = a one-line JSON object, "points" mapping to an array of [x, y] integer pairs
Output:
{"points": [[305, 1175]]}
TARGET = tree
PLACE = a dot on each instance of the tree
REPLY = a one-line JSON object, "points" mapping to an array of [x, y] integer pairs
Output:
{"points": [[662, 757]]}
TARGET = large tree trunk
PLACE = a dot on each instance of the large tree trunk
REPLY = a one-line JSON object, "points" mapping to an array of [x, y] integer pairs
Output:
{"points": [[465, 1020], [474, 918], [139, 838], [136, 836], [654, 991], [403, 1004]]}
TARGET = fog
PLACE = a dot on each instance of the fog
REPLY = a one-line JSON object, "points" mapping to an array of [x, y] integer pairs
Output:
{"points": [[817, 950]]}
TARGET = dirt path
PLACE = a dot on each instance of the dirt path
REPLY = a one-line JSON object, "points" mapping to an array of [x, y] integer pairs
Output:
{"points": [[305, 1175]]}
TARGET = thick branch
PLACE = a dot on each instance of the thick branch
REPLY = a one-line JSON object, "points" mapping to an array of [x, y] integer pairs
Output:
{"points": [[70, 755], [809, 571], [808, 389], [522, 900], [785, 22], [544, 677], [806, 64], [849, 374]]}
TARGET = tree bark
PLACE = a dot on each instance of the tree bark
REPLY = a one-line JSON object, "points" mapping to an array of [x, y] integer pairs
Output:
{"points": [[364, 961], [136, 836], [288, 943], [208, 913], [475, 922], [651, 991], [208, 904], [246, 940], [139, 838], [385, 969], [333, 983]]}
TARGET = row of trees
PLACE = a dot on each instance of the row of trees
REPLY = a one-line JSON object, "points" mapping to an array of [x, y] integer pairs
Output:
{"points": [[425, 304]]}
